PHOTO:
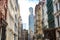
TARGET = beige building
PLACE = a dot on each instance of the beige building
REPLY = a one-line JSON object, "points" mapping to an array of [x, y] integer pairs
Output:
{"points": [[12, 20], [9, 13], [38, 21]]}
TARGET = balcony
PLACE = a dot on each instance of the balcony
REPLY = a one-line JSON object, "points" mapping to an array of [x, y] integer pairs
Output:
{"points": [[2, 20]]}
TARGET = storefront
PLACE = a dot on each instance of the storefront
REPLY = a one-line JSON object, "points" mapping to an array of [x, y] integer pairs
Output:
{"points": [[52, 34]]}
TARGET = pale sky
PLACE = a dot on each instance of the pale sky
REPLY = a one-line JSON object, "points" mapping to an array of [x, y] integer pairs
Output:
{"points": [[24, 10]]}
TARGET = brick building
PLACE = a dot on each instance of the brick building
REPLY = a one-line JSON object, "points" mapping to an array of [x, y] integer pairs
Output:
{"points": [[3, 16]]}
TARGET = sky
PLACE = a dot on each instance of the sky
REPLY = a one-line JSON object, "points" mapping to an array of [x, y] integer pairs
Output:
{"points": [[24, 10]]}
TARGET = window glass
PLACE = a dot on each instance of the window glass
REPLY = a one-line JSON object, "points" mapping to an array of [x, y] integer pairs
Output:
{"points": [[58, 20]]}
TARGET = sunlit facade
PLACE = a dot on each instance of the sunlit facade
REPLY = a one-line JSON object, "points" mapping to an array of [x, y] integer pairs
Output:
{"points": [[12, 20], [38, 22]]}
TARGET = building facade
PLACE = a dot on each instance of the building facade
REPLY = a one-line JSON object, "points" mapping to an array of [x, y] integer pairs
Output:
{"points": [[52, 32], [9, 19], [25, 34], [51, 22], [12, 20], [22, 31], [3, 17], [31, 24], [56, 4], [38, 21], [49, 33], [20, 28], [44, 15]]}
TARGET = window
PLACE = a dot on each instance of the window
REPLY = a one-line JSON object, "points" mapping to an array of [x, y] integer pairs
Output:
{"points": [[58, 20], [17, 2], [16, 8], [59, 4], [14, 37], [15, 27], [56, 7], [16, 18]]}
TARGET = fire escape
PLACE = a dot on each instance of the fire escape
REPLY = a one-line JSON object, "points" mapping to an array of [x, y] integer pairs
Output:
{"points": [[3, 14]]}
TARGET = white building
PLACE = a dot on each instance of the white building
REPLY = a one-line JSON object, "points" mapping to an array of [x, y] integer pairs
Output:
{"points": [[56, 4], [44, 15]]}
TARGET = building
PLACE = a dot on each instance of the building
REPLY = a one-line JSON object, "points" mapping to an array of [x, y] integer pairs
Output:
{"points": [[12, 20], [50, 14], [3, 18], [20, 28], [31, 24], [9, 19], [49, 32], [38, 22], [56, 4], [25, 34], [44, 15], [53, 30], [22, 31], [51, 19]]}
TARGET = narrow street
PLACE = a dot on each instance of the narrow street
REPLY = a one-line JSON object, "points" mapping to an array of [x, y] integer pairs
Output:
{"points": [[29, 19]]}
